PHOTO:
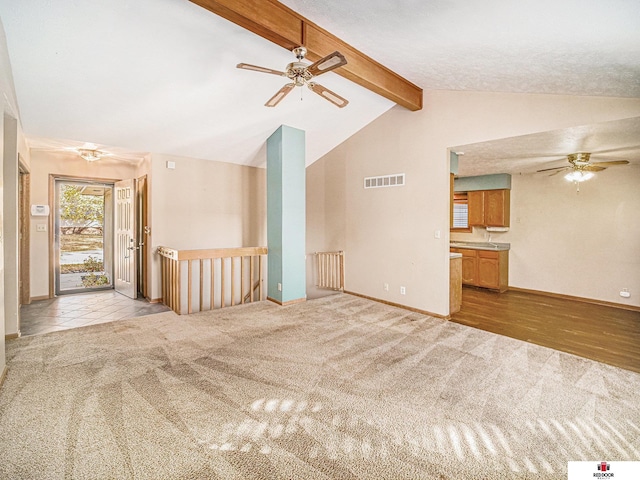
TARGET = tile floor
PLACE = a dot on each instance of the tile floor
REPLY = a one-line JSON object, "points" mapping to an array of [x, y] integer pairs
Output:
{"points": [[71, 311]]}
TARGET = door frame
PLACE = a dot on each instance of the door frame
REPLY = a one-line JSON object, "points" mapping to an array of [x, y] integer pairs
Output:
{"points": [[24, 226], [52, 214], [144, 235]]}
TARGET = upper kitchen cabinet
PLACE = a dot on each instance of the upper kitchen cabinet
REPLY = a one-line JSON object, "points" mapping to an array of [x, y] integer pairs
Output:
{"points": [[489, 208], [496, 208], [475, 208], [481, 201]]}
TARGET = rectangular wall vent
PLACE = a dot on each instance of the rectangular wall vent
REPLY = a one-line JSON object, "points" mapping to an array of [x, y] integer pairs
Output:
{"points": [[395, 180]]}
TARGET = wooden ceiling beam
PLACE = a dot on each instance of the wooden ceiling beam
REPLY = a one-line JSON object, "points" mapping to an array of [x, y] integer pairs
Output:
{"points": [[279, 24]]}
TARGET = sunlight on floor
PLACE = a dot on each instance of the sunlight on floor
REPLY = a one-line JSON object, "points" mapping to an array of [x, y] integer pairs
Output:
{"points": [[338, 435]]}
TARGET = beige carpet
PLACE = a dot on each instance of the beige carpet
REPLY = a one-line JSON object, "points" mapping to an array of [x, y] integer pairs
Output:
{"points": [[338, 387]]}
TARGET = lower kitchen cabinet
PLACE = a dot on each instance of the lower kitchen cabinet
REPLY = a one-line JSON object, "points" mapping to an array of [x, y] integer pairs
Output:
{"points": [[469, 265], [485, 268]]}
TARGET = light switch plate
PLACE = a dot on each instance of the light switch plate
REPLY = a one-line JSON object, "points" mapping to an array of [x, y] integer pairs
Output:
{"points": [[41, 227]]}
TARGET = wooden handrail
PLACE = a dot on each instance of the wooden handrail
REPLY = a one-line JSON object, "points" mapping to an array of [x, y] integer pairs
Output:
{"points": [[220, 292], [211, 253]]}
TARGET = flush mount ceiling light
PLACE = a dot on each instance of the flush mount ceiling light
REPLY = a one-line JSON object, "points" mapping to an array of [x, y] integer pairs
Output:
{"points": [[91, 155]]}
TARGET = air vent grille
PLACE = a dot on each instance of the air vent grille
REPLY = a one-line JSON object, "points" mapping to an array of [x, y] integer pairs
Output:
{"points": [[395, 180]]}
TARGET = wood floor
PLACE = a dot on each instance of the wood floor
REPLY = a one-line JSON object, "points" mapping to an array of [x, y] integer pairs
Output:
{"points": [[606, 334]]}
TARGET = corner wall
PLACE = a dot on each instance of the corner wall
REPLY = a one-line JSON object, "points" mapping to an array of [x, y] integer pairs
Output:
{"points": [[204, 204], [388, 234]]}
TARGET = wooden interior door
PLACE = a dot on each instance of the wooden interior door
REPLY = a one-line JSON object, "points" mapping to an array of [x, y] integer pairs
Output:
{"points": [[125, 243]]}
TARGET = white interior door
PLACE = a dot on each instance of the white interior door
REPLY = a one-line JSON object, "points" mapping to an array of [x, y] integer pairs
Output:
{"points": [[125, 243]]}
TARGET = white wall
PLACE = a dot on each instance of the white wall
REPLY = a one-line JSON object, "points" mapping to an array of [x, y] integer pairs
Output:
{"points": [[388, 233], [10, 224], [63, 164], [325, 188], [203, 204], [584, 244], [9, 110]]}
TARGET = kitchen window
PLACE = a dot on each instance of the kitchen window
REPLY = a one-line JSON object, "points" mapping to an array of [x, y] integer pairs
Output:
{"points": [[460, 213]]}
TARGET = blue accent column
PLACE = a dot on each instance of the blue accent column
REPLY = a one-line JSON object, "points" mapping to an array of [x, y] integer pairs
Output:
{"points": [[286, 222]]}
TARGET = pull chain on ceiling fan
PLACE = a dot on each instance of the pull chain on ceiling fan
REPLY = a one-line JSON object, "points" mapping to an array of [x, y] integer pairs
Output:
{"points": [[301, 74]]}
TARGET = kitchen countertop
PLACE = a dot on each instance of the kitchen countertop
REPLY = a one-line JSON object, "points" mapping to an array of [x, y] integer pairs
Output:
{"points": [[481, 245], [454, 255]]}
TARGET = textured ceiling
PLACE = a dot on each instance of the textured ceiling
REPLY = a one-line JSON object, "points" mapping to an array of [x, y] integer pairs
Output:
{"points": [[160, 76], [606, 141], [577, 47]]}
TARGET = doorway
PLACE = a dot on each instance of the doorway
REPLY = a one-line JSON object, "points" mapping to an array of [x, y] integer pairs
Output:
{"points": [[24, 235], [83, 236]]}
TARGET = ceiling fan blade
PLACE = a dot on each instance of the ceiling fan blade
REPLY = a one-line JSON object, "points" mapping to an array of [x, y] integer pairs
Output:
{"points": [[593, 168], [255, 68], [273, 101], [326, 64], [557, 172], [327, 94], [612, 162], [549, 169]]}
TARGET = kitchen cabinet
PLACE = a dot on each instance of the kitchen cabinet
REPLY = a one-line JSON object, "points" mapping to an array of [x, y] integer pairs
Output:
{"points": [[489, 208], [475, 207], [493, 269], [497, 208], [485, 268], [469, 265], [455, 284]]}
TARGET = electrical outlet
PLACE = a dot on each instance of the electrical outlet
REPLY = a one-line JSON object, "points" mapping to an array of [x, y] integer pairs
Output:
{"points": [[625, 293], [41, 227], [386, 287], [403, 290], [279, 287]]}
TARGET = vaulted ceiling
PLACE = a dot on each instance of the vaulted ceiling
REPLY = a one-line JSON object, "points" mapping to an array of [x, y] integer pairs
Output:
{"points": [[160, 76]]}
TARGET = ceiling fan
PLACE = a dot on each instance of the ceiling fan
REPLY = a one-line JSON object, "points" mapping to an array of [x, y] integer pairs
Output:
{"points": [[581, 168], [301, 73]]}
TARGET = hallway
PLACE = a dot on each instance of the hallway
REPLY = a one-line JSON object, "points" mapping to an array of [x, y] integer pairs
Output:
{"points": [[71, 311]]}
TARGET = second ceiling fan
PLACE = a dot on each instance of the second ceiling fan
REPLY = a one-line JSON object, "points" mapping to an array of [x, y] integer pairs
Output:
{"points": [[581, 168], [301, 73]]}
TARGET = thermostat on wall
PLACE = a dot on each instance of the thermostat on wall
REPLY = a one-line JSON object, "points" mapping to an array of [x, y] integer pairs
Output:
{"points": [[39, 210]]}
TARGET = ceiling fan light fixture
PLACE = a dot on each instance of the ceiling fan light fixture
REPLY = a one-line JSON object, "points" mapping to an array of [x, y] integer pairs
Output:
{"points": [[301, 74], [90, 155], [578, 176]]}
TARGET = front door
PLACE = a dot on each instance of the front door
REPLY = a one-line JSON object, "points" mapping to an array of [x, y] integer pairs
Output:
{"points": [[82, 235], [125, 242]]}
